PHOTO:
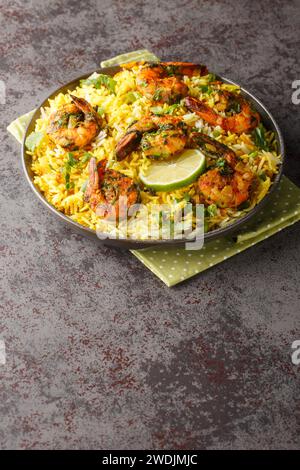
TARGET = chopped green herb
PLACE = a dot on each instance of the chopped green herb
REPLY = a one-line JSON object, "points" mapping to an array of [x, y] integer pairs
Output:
{"points": [[34, 140], [70, 185], [234, 107], [225, 169], [157, 95], [173, 108], [74, 120], [132, 96], [211, 77], [71, 160], [84, 186], [212, 210], [253, 154], [101, 80], [186, 197], [158, 110], [259, 135], [262, 176], [216, 133], [206, 89], [244, 205], [67, 171], [221, 163], [100, 111], [86, 157], [272, 142], [63, 120], [172, 70]]}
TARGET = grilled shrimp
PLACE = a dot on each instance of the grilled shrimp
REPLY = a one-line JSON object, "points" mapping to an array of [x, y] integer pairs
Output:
{"points": [[74, 125], [109, 192], [228, 184], [213, 149], [163, 82], [244, 120], [158, 137]]}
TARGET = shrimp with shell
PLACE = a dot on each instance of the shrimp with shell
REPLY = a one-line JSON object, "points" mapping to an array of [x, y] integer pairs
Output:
{"points": [[159, 137], [163, 82], [228, 182], [74, 125], [109, 192], [245, 119]]}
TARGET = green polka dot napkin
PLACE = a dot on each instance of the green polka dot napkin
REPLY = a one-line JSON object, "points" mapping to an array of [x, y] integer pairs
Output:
{"points": [[173, 265]]}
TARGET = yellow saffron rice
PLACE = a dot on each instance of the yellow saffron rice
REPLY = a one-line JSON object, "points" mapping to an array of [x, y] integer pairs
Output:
{"points": [[121, 107]]}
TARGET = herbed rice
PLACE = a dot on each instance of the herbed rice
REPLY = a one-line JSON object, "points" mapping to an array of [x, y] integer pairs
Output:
{"points": [[121, 108]]}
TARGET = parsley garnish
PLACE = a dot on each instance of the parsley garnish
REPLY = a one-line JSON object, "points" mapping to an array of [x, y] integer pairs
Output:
{"points": [[132, 96], [86, 157], [34, 140], [160, 110], [206, 89], [71, 160], [225, 169], [212, 210], [100, 111], [67, 169], [211, 77], [259, 135], [101, 80], [71, 163], [187, 197], [157, 95]]}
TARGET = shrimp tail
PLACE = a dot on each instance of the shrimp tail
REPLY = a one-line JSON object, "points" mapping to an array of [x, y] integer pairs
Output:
{"points": [[211, 147], [82, 104], [204, 111], [93, 183], [86, 108], [243, 121], [92, 193], [128, 144]]}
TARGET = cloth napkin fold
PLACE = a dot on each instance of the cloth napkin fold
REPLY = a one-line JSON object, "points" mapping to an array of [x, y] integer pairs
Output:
{"points": [[174, 265]]}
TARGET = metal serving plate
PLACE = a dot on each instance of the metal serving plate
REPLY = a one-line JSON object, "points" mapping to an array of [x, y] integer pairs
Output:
{"points": [[267, 120]]}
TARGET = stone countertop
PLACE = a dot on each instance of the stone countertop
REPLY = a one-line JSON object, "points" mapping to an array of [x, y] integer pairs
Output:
{"points": [[100, 354]]}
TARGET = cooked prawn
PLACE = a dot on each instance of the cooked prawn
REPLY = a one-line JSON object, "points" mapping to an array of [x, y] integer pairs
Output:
{"points": [[74, 125], [163, 82], [109, 192], [228, 184], [212, 148], [244, 120], [159, 137]]}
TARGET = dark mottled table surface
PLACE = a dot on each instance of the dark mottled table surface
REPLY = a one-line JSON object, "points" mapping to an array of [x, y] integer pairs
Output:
{"points": [[99, 353]]}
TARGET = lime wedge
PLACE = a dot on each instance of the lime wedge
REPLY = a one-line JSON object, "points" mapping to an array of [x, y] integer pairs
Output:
{"points": [[135, 56], [175, 173]]}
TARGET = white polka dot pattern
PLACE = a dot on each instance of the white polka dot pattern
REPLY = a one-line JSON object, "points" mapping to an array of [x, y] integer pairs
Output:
{"points": [[178, 264]]}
